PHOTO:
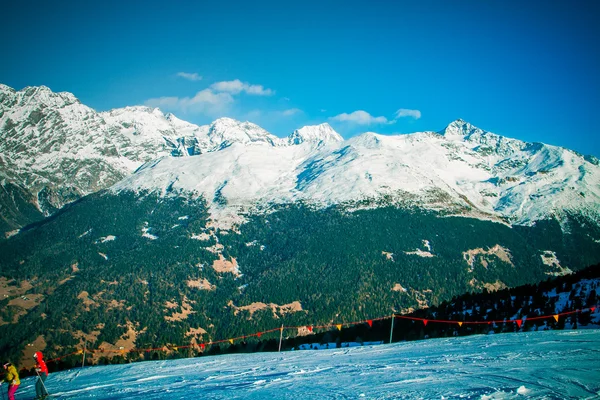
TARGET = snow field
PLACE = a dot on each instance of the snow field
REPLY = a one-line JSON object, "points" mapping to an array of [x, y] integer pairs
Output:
{"points": [[532, 365]]}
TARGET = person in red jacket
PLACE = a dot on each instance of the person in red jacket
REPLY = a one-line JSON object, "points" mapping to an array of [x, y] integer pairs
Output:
{"points": [[42, 371]]}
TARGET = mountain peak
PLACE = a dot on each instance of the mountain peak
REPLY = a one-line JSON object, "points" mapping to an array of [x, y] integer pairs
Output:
{"points": [[460, 128], [322, 133], [43, 94], [225, 131], [6, 88]]}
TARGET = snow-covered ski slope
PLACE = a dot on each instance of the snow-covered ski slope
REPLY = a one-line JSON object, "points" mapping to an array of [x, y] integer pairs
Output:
{"points": [[532, 365]]}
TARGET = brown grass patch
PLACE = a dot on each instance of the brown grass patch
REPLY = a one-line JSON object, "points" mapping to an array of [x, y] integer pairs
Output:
{"points": [[85, 299], [9, 288], [222, 265], [24, 303], [90, 337], [196, 334], [125, 344], [277, 310], [398, 288], [304, 331], [498, 251], [186, 310], [202, 284]]}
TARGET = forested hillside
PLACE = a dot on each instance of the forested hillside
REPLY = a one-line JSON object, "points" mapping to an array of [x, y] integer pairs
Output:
{"points": [[140, 271]]}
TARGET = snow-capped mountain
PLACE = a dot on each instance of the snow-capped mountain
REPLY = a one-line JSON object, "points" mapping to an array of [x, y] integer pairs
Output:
{"points": [[463, 170], [60, 149], [317, 134]]}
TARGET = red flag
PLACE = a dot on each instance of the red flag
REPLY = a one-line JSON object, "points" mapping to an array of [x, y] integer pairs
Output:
{"points": [[202, 345], [258, 334], [370, 322], [593, 309], [309, 328], [519, 322], [425, 322]]}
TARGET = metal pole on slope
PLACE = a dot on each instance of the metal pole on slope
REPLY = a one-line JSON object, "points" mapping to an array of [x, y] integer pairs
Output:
{"points": [[43, 384], [392, 329], [84, 348], [280, 337]]}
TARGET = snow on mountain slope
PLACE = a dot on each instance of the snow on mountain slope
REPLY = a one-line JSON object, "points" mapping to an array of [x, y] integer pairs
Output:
{"points": [[522, 183], [317, 134], [60, 149], [533, 365], [52, 144], [226, 131]]}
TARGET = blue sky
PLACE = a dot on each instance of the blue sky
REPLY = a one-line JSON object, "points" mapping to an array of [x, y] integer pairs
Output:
{"points": [[527, 70]]}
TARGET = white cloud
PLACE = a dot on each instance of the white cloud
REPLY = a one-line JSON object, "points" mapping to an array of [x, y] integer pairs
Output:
{"points": [[205, 101], [405, 112], [236, 86], [360, 117], [189, 76], [290, 112]]}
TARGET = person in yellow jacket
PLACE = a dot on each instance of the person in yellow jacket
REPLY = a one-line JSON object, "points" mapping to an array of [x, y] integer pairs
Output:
{"points": [[12, 377]]}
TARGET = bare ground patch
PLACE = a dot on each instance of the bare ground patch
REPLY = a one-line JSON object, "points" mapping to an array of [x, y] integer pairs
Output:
{"points": [[277, 310], [86, 300], [202, 284], [9, 288], [89, 337], [470, 256], [21, 305], [195, 334], [186, 310], [122, 346], [398, 288], [222, 265]]}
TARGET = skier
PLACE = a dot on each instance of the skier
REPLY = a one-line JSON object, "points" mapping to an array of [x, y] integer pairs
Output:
{"points": [[42, 371], [12, 377]]}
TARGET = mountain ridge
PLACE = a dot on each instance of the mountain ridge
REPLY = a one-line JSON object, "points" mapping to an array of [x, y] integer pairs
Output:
{"points": [[59, 150]]}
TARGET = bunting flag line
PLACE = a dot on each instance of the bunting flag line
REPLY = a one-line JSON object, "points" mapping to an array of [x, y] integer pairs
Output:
{"points": [[338, 326]]}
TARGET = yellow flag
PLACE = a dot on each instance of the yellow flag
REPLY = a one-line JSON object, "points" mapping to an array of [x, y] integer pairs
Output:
{"points": [[460, 324], [79, 351], [339, 326], [231, 341], [556, 317]]}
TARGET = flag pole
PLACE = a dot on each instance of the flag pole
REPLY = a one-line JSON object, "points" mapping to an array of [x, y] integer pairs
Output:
{"points": [[280, 337], [392, 328]]}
